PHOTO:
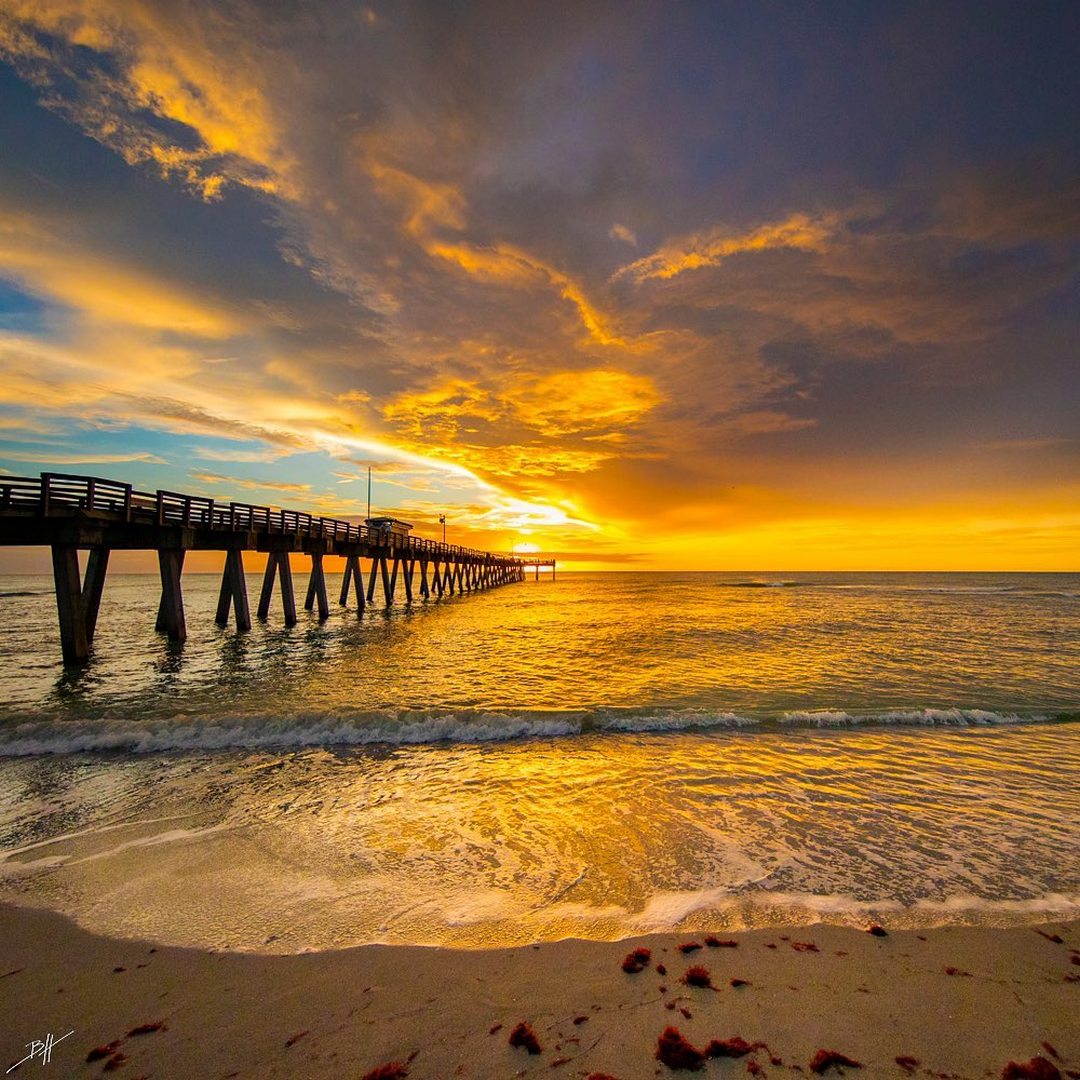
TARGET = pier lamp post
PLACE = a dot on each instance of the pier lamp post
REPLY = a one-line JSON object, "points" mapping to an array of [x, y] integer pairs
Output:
{"points": [[442, 522]]}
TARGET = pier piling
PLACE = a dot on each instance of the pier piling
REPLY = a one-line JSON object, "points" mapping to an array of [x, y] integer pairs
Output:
{"points": [[70, 513]]}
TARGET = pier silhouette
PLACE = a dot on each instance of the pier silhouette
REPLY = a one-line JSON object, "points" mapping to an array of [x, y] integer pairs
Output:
{"points": [[70, 513]]}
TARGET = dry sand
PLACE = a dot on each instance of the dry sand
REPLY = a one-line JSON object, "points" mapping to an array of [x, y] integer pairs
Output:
{"points": [[1014, 995]]}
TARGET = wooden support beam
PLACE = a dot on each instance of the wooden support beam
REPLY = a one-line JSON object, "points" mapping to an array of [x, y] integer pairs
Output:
{"points": [[267, 593], [97, 564], [171, 608], [277, 562], [393, 578], [407, 576], [233, 593], [424, 591], [372, 577], [288, 597], [436, 577], [388, 592], [316, 590], [354, 577], [69, 604]]}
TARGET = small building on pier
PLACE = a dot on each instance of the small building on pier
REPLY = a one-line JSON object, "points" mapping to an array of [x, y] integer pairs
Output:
{"points": [[389, 530]]}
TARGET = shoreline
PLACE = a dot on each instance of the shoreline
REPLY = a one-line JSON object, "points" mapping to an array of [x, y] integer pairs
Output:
{"points": [[961, 1001]]}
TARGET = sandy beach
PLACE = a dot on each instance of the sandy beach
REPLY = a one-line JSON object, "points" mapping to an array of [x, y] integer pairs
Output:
{"points": [[956, 1002]]}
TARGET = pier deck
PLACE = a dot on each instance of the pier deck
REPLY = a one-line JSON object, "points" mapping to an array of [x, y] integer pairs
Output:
{"points": [[69, 513]]}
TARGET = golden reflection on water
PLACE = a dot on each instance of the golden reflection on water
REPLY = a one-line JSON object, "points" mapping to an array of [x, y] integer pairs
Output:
{"points": [[596, 836]]}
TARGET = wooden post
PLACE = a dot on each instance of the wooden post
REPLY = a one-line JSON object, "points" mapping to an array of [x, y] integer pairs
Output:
{"points": [[96, 565], [234, 592], [316, 589], [69, 604], [171, 610], [372, 577], [393, 577], [407, 576], [424, 591], [268, 585], [436, 577], [288, 598], [352, 578], [388, 592]]}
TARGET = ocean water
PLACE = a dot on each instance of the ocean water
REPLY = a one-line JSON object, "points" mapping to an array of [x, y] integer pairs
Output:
{"points": [[597, 756]]}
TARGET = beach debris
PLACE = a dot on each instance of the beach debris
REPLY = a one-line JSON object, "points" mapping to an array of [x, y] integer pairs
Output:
{"points": [[1051, 1051], [770, 945], [1057, 939], [1038, 1068], [498, 1027], [117, 970], [735, 1047], [560, 1061], [148, 1029], [661, 969], [1074, 959], [878, 931], [579, 1020], [294, 1039], [825, 1059], [716, 943], [740, 982], [392, 1070], [754, 1069], [674, 1051], [689, 946], [804, 946], [698, 976], [671, 1005], [686, 1012], [958, 971], [523, 1036], [636, 960], [600, 1076], [100, 1052], [907, 1063], [14, 971], [114, 1062]]}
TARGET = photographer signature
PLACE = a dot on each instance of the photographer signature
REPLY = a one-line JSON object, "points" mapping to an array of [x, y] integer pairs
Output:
{"points": [[41, 1048]]}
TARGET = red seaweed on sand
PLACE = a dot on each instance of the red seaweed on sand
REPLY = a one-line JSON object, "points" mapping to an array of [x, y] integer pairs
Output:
{"points": [[907, 1063], [689, 946], [636, 960], [698, 976], [825, 1059], [148, 1029], [715, 943], [100, 1052], [1055, 938], [392, 1070], [523, 1036], [735, 1047], [878, 931], [676, 1053], [1038, 1068], [804, 946], [115, 1062]]}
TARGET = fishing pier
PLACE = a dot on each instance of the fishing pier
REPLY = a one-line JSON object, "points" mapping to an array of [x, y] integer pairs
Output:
{"points": [[70, 514]]}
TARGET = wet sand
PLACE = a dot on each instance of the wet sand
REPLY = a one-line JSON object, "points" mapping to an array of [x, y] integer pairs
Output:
{"points": [[956, 1002]]}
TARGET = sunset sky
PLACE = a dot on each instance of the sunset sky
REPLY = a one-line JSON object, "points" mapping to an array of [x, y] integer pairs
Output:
{"points": [[673, 285]]}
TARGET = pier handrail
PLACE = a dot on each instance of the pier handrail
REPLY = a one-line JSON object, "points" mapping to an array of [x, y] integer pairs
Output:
{"points": [[54, 494]]}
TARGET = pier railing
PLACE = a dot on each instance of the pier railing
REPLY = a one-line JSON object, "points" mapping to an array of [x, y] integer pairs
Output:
{"points": [[62, 494], [69, 513]]}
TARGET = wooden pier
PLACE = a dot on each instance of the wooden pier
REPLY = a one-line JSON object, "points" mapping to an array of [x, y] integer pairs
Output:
{"points": [[71, 513]]}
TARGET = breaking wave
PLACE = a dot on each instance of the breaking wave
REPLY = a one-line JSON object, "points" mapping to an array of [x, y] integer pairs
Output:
{"points": [[37, 735]]}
